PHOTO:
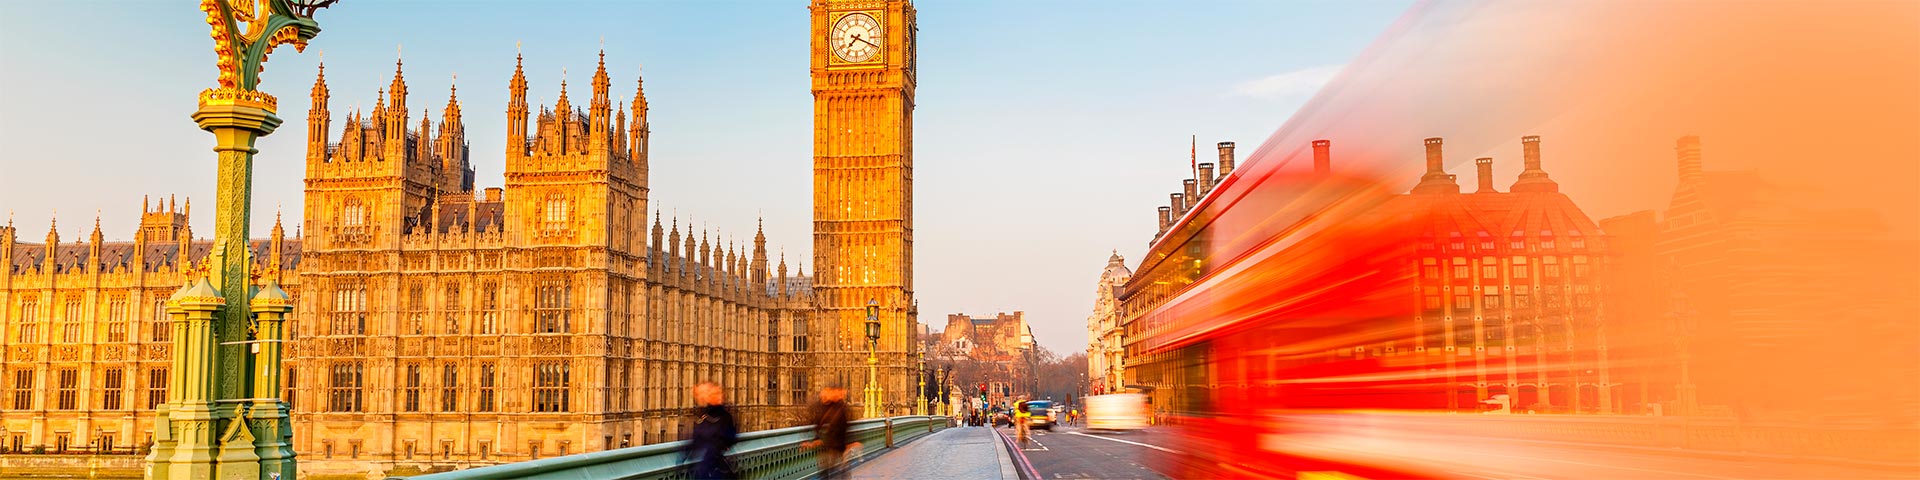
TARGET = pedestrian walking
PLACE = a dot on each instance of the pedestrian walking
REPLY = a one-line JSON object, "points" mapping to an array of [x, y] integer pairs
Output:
{"points": [[1020, 418], [830, 418], [714, 432]]}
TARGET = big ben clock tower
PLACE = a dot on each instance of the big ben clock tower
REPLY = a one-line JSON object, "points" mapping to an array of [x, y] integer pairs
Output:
{"points": [[863, 77]]}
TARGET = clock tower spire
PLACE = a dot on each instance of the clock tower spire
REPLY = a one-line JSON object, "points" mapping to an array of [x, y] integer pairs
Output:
{"points": [[863, 85]]}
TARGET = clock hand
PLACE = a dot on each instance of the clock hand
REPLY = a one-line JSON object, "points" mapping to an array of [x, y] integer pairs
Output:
{"points": [[862, 40]]}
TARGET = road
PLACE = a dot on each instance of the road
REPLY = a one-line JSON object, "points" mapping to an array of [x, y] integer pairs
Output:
{"points": [[1072, 452]]}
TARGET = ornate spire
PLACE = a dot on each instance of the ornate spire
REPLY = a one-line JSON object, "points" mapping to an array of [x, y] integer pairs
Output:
{"points": [[600, 82], [317, 119], [320, 86], [516, 110], [620, 125], [452, 112], [601, 111], [398, 90], [563, 106]]}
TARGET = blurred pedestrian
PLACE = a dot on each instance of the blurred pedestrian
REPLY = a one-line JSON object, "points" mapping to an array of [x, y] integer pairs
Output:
{"points": [[1020, 419], [831, 418], [714, 432]]}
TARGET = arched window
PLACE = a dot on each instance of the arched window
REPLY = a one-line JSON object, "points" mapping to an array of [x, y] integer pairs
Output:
{"points": [[556, 212], [353, 214]]}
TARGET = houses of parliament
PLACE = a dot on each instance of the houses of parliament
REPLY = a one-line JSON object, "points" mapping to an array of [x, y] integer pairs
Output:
{"points": [[439, 326]]}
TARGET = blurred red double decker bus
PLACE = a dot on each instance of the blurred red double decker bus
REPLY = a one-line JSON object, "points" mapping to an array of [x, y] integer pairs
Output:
{"points": [[1259, 308]]}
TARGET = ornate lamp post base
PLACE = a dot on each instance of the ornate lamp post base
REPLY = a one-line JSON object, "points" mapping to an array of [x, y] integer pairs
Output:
{"points": [[872, 404]]}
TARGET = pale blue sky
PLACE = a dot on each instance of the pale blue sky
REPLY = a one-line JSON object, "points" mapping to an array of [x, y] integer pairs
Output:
{"points": [[1047, 131]]}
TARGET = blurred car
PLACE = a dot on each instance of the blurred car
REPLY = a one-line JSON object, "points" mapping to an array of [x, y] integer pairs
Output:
{"points": [[1119, 411], [1040, 414]]}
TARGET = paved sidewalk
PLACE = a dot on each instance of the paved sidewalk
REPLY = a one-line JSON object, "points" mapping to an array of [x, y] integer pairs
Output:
{"points": [[955, 453]]}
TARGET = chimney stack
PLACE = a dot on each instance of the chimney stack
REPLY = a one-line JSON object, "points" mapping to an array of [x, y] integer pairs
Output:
{"points": [[1533, 179], [1436, 180], [1434, 165], [1688, 149], [1322, 161], [1530, 151], [1485, 166], [1166, 218], [1192, 190], [1206, 179], [1177, 205], [1226, 159]]}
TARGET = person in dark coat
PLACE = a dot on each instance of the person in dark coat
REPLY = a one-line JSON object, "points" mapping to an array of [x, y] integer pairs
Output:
{"points": [[831, 418], [714, 432]]}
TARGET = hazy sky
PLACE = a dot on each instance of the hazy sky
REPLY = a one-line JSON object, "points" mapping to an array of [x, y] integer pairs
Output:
{"points": [[1046, 131]]}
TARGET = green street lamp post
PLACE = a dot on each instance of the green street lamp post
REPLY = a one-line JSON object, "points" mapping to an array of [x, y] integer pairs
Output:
{"points": [[920, 394], [224, 417], [946, 389], [873, 407]]}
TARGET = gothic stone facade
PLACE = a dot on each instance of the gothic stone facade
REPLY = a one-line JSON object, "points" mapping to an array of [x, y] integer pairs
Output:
{"points": [[438, 328], [86, 342]]}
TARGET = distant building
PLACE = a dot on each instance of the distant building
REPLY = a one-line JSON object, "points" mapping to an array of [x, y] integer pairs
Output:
{"points": [[1765, 279], [1508, 292], [1105, 352], [996, 344]]}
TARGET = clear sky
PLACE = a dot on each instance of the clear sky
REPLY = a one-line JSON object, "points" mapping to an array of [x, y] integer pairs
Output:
{"points": [[1046, 131]]}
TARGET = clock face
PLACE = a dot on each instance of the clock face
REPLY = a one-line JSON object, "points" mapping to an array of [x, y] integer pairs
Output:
{"points": [[856, 37]]}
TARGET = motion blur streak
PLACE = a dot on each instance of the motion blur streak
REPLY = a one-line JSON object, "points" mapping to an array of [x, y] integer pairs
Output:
{"points": [[1719, 277]]}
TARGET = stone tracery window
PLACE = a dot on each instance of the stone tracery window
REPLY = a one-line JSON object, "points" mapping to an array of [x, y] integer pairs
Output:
{"points": [[489, 307], [556, 213], [117, 319], [353, 214], [551, 300], [452, 308], [551, 383], [156, 387], [28, 323], [349, 315], [412, 398], [449, 387], [70, 320], [344, 394]]}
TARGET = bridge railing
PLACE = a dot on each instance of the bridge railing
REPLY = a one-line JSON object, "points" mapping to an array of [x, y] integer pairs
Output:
{"points": [[765, 454]]}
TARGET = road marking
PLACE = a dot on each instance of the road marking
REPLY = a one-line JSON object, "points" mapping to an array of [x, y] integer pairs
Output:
{"points": [[1155, 447]]}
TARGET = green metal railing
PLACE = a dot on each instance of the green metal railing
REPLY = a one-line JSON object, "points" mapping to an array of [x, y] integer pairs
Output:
{"points": [[766, 454]]}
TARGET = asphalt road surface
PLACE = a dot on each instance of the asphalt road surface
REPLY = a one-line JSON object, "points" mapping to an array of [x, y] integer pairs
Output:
{"points": [[1072, 452]]}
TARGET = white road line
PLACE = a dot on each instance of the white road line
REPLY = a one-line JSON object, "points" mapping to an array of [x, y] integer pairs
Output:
{"points": [[1126, 442]]}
